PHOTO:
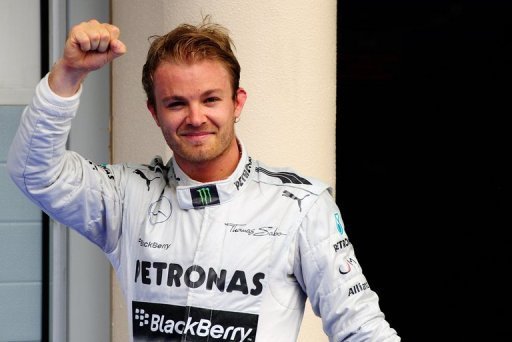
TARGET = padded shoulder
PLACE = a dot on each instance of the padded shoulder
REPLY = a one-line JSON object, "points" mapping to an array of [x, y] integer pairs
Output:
{"points": [[280, 176]]}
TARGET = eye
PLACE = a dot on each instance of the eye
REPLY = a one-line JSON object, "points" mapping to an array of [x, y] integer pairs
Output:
{"points": [[211, 100], [175, 104]]}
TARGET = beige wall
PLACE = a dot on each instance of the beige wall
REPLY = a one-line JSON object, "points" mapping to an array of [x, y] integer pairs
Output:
{"points": [[287, 50]]}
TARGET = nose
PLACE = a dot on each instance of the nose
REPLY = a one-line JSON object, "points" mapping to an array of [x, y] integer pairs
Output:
{"points": [[196, 116]]}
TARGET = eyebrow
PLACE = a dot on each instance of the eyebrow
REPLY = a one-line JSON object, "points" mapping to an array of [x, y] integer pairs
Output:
{"points": [[173, 98], [210, 92], [183, 98]]}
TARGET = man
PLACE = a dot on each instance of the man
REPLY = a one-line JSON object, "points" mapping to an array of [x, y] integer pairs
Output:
{"points": [[213, 245]]}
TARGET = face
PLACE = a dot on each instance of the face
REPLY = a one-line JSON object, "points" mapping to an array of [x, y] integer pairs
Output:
{"points": [[195, 109]]}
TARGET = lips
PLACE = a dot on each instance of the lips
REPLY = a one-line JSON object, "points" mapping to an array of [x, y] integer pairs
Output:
{"points": [[194, 134], [196, 137]]}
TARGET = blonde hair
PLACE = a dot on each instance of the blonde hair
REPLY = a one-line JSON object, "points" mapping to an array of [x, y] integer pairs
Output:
{"points": [[188, 44]]}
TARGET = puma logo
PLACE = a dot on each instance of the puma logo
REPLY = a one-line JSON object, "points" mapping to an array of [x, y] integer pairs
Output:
{"points": [[288, 194], [143, 176]]}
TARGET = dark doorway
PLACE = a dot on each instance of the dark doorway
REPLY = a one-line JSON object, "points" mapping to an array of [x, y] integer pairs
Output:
{"points": [[422, 159]]}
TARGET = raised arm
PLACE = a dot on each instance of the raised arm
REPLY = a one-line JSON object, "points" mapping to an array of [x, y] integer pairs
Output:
{"points": [[71, 189], [89, 46]]}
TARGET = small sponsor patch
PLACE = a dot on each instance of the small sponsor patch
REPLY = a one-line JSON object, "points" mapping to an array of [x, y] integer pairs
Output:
{"points": [[339, 225], [204, 196]]}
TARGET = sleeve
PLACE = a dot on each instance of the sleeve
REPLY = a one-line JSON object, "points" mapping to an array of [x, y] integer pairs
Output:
{"points": [[69, 188], [328, 271]]}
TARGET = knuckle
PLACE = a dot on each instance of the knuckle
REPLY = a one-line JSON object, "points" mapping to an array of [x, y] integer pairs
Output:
{"points": [[75, 30], [104, 36], [94, 36], [114, 30]]}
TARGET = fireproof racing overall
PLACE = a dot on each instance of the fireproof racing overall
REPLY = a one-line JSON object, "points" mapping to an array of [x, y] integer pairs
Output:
{"points": [[232, 260]]}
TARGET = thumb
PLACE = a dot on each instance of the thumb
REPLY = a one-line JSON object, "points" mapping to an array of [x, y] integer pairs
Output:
{"points": [[117, 49]]}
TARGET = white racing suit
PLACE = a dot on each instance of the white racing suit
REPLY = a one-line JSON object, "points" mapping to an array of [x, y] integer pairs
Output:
{"points": [[232, 260]]}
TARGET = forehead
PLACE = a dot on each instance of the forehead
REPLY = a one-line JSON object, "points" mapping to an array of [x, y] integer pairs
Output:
{"points": [[203, 70]]}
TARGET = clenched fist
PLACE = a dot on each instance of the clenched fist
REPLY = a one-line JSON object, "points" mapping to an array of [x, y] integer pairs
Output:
{"points": [[89, 46]]}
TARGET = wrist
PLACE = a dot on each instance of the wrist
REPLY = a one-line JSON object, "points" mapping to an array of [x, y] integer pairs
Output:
{"points": [[64, 80]]}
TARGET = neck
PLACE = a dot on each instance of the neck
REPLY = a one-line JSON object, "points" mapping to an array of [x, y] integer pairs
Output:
{"points": [[213, 170]]}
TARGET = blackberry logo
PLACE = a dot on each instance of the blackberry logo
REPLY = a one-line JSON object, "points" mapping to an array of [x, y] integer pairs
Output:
{"points": [[142, 317], [157, 322]]}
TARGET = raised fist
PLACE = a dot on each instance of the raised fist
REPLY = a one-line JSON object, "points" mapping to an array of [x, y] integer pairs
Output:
{"points": [[89, 46]]}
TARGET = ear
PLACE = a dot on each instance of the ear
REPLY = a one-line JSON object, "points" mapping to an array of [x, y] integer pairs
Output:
{"points": [[152, 110], [241, 97]]}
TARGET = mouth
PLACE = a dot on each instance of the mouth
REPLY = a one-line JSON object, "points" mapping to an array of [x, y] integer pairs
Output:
{"points": [[196, 137]]}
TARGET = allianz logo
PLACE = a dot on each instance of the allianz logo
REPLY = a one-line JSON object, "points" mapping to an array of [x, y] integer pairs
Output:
{"points": [[201, 328]]}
